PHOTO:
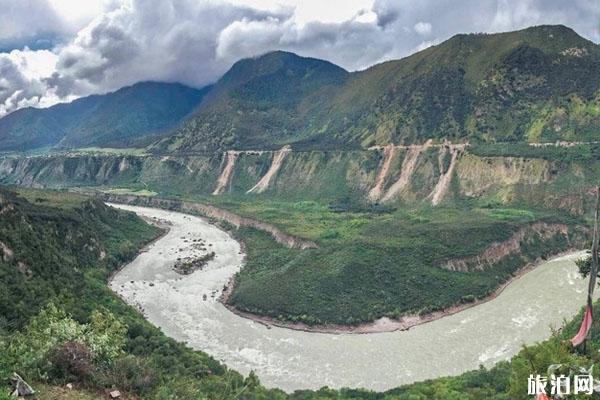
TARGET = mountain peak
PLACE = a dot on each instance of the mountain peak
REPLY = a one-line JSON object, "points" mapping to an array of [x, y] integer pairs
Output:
{"points": [[279, 62], [548, 38]]}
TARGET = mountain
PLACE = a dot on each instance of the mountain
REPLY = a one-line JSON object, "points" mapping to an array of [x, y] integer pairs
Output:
{"points": [[538, 84], [130, 116], [261, 102]]}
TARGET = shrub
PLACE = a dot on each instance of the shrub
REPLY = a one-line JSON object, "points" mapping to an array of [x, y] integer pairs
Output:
{"points": [[132, 374], [72, 361], [105, 335], [44, 339], [29, 350]]}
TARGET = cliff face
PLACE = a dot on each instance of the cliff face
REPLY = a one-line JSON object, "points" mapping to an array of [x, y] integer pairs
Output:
{"points": [[434, 174]]}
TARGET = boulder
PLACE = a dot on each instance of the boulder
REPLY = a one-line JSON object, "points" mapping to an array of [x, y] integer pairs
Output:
{"points": [[21, 388]]}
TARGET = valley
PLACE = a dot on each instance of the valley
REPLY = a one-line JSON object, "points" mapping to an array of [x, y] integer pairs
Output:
{"points": [[450, 225]]}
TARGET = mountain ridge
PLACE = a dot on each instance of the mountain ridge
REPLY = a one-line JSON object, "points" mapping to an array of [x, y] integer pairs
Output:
{"points": [[125, 117], [537, 84]]}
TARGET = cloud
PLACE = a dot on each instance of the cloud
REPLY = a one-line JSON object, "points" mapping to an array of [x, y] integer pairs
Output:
{"points": [[31, 23], [423, 28], [196, 41], [22, 83]]}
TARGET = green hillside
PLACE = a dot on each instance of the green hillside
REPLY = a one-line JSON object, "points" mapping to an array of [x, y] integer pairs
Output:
{"points": [[538, 84], [261, 102], [130, 116]]}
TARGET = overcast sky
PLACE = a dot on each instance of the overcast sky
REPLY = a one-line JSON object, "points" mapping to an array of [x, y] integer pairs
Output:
{"points": [[58, 50]]}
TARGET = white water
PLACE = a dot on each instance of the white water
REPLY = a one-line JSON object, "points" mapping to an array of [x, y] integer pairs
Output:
{"points": [[289, 359]]}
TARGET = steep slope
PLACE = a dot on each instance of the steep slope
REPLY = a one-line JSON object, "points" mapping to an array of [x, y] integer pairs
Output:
{"points": [[123, 118], [50, 240], [260, 102], [537, 84], [477, 86]]}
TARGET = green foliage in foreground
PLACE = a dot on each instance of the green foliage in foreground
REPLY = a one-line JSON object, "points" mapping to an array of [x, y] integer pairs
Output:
{"points": [[371, 264]]}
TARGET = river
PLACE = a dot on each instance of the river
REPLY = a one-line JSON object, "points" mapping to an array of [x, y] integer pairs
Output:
{"points": [[186, 308]]}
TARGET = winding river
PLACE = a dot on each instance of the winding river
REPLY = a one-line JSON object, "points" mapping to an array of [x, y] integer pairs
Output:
{"points": [[186, 308]]}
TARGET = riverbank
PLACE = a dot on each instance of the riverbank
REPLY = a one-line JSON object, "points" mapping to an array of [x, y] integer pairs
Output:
{"points": [[380, 325]]}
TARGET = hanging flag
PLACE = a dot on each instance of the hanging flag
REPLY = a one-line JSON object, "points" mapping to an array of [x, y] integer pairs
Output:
{"points": [[586, 324]]}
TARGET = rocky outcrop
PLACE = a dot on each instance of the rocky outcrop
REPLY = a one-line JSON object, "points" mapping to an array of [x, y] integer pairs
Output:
{"points": [[20, 387], [481, 175], [6, 252], [496, 252], [212, 212], [263, 183], [408, 173]]}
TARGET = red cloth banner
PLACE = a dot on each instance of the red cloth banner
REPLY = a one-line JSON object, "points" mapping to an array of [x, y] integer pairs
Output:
{"points": [[586, 324]]}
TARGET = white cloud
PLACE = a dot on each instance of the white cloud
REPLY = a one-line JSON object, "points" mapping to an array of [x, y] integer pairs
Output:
{"points": [[510, 16], [22, 74], [423, 28], [34, 64], [78, 12]]}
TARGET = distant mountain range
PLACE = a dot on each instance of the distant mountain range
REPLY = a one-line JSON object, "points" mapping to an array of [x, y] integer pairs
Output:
{"points": [[537, 84], [130, 117]]}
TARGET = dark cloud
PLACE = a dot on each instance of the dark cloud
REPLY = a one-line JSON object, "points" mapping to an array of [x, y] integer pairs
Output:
{"points": [[153, 40], [196, 41], [31, 23], [16, 89]]}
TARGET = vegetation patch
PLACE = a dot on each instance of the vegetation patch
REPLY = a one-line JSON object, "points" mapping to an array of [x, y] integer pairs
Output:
{"points": [[373, 264]]}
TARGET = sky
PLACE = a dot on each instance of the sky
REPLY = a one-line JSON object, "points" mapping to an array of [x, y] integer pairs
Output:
{"points": [[58, 50]]}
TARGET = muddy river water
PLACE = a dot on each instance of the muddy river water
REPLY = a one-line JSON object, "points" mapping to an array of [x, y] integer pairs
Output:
{"points": [[186, 308]]}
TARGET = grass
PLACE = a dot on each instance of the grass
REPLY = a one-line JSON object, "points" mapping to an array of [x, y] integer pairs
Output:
{"points": [[504, 214], [48, 392], [577, 153], [51, 198], [108, 150], [135, 192]]}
